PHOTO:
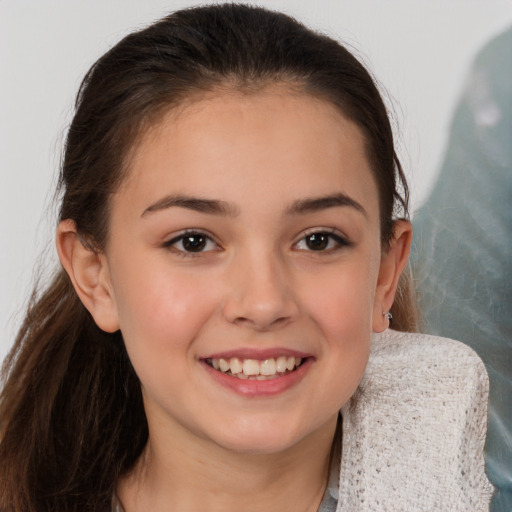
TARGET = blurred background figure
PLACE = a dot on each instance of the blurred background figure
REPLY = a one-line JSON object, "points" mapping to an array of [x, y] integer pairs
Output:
{"points": [[462, 254]]}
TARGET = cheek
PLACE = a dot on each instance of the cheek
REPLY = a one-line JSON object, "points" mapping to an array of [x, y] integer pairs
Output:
{"points": [[341, 306], [161, 316], [342, 301], [161, 311]]}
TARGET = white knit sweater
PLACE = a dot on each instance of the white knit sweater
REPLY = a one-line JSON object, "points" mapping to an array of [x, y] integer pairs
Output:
{"points": [[414, 432]]}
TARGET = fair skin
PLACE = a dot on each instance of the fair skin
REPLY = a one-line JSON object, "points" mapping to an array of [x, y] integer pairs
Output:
{"points": [[282, 259]]}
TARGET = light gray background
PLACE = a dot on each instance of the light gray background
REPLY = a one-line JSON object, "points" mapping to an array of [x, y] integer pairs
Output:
{"points": [[420, 50]]}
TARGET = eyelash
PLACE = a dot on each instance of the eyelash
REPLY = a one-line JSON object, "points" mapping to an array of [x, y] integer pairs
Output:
{"points": [[334, 242], [182, 237]]}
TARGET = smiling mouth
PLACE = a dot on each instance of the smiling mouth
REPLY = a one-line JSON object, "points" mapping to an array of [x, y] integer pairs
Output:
{"points": [[254, 369]]}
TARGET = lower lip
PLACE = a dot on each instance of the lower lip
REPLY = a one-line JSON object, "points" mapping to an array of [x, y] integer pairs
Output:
{"points": [[260, 388]]}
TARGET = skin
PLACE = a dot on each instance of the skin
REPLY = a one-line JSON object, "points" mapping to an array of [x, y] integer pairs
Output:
{"points": [[256, 285]]}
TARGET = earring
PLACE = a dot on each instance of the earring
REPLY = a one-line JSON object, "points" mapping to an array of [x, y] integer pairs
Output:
{"points": [[388, 315]]}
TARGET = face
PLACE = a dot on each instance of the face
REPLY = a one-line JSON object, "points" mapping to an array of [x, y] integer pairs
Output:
{"points": [[243, 264]]}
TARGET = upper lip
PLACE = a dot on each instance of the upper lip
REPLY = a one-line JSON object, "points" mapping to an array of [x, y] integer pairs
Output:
{"points": [[258, 354]]}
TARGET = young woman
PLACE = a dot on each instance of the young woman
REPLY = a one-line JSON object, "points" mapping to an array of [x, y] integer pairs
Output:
{"points": [[232, 231]]}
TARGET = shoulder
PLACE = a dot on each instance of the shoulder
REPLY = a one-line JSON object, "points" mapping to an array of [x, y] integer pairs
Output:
{"points": [[417, 358], [439, 381], [414, 432]]}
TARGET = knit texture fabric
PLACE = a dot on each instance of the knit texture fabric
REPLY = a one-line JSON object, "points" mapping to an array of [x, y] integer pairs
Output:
{"points": [[414, 431]]}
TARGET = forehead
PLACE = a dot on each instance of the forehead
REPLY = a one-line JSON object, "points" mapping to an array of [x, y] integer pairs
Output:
{"points": [[277, 142]]}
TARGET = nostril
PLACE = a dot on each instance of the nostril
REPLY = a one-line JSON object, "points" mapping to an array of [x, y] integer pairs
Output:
{"points": [[262, 325], [280, 321]]}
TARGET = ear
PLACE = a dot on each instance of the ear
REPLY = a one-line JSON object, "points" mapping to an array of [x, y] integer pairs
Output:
{"points": [[89, 273], [393, 261]]}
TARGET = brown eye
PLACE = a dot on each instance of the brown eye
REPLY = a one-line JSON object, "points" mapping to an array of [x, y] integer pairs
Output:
{"points": [[317, 241], [321, 241], [192, 242]]}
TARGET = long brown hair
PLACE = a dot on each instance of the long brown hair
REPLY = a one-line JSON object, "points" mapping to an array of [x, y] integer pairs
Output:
{"points": [[71, 413]]}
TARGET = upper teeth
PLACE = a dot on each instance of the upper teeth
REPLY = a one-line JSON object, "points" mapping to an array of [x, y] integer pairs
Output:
{"points": [[254, 367]]}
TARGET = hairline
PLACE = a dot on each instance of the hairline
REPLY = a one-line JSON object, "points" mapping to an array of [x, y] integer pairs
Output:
{"points": [[233, 85]]}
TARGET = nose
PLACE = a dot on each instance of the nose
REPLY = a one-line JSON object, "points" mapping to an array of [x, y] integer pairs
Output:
{"points": [[260, 292]]}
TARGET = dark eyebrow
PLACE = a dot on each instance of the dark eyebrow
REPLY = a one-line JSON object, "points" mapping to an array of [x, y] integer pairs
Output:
{"points": [[315, 204], [211, 206]]}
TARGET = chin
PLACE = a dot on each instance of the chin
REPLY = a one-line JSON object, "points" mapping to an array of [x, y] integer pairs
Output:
{"points": [[260, 438], [258, 445]]}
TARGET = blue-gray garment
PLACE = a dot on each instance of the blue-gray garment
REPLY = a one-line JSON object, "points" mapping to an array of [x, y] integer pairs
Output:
{"points": [[329, 503], [330, 499], [462, 252]]}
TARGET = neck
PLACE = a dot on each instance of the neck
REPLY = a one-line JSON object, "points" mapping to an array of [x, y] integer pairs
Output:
{"points": [[189, 475]]}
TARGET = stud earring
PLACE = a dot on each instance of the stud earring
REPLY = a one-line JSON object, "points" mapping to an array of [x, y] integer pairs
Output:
{"points": [[388, 315]]}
